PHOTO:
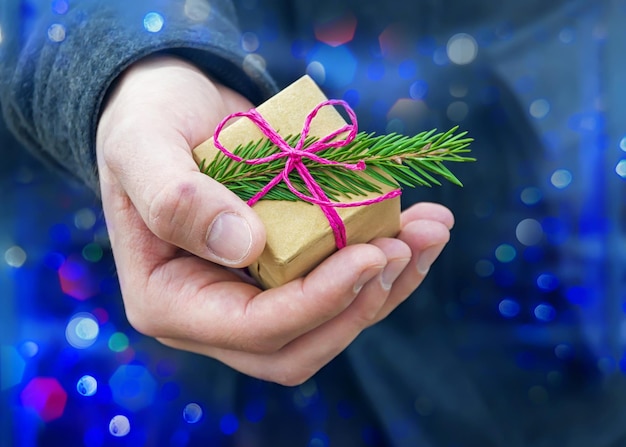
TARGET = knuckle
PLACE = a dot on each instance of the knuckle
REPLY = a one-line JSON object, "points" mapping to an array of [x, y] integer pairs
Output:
{"points": [[171, 209], [144, 321]]}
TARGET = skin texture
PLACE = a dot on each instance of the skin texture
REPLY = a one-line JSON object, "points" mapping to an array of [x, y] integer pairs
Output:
{"points": [[176, 259]]}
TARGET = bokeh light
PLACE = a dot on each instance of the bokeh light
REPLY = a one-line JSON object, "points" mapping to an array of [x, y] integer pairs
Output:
{"points": [[620, 169], [254, 63], [56, 32], [336, 31], [133, 387], [509, 308], [84, 219], [338, 62], [229, 424], [531, 195], [250, 42], [561, 178], [118, 342], [29, 349], [82, 330], [119, 426], [153, 22], [547, 282], [192, 413], [198, 10], [505, 253], [462, 49], [544, 312], [418, 89], [457, 111], [45, 396], [539, 108], [529, 232], [484, 268], [60, 6], [76, 278], [15, 256], [87, 385]]}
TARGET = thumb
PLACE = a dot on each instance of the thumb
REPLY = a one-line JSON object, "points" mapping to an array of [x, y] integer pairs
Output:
{"points": [[177, 202]]}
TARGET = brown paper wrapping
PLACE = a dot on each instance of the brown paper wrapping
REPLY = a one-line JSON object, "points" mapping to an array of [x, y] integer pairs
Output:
{"points": [[298, 234]]}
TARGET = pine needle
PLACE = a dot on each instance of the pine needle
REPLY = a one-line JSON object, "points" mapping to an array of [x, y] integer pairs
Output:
{"points": [[390, 159]]}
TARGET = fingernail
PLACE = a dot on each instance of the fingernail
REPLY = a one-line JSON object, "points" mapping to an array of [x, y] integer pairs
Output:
{"points": [[229, 238], [391, 272], [365, 277], [427, 257]]}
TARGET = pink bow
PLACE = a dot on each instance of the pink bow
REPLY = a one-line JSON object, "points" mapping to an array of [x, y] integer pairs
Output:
{"points": [[295, 155]]}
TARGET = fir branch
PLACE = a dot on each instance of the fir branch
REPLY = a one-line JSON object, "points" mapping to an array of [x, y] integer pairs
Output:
{"points": [[390, 159]]}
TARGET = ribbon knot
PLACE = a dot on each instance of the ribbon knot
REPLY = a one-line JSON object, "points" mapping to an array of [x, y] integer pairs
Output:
{"points": [[294, 160]]}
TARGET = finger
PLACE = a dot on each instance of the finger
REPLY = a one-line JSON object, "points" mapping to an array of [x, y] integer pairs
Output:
{"points": [[426, 239], [428, 211], [194, 299], [298, 360]]}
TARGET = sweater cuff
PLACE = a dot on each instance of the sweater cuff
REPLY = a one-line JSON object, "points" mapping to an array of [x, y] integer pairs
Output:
{"points": [[85, 51]]}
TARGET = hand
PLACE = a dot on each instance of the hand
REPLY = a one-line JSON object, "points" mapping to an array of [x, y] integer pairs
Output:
{"points": [[178, 236]]}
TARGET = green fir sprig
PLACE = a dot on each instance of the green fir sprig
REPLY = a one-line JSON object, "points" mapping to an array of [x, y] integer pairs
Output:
{"points": [[390, 159]]}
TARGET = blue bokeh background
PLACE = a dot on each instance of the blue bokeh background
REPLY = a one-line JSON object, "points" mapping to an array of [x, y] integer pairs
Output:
{"points": [[529, 293]]}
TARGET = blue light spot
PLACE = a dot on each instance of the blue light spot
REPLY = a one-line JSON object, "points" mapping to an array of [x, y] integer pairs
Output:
{"points": [[376, 71], [339, 64], [531, 195], [133, 387], [229, 424], [547, 282], [509, 308], [299, 49], [87, 386], [319, 439], [418, 89], [153, 22], [192, 413], [60, 6], [545, 312], [255, 410], [588, 122]]}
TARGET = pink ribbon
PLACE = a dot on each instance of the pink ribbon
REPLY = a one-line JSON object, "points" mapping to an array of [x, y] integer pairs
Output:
{"points": [[295, 155]]}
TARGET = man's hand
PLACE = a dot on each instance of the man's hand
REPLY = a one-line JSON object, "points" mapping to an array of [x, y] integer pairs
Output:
{"points": [[178, 236]]}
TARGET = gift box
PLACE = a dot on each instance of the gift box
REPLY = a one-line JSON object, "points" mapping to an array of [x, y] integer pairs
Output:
{"points": [[299, 236]]}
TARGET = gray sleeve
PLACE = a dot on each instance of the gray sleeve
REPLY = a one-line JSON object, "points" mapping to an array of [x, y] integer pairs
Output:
{"points": [[59, 61]]}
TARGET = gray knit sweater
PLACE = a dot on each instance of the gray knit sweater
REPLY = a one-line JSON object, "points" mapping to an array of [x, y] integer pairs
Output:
{"points": [[58, 62]]}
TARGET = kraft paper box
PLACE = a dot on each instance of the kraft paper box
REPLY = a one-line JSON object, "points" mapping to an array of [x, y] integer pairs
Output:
{"points": [[299, 236]]}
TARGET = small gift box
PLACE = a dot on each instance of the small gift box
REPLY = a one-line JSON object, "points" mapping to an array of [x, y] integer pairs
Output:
{"points": [[301, 235]]}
